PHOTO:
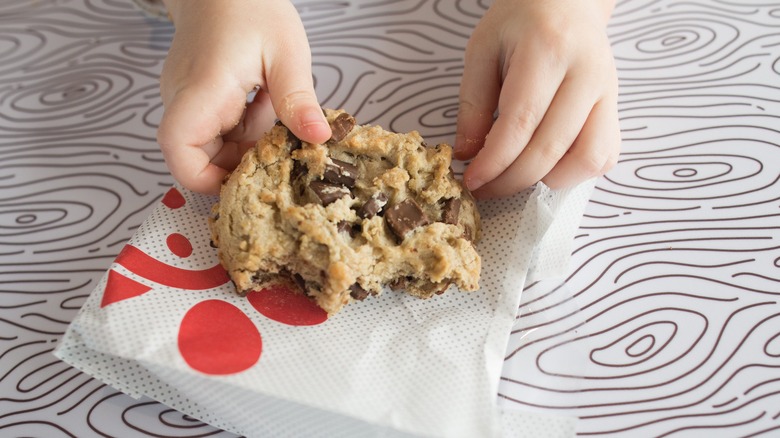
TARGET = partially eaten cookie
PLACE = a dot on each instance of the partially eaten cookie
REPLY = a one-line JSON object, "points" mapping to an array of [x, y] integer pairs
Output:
{"points": [[367, 209]]}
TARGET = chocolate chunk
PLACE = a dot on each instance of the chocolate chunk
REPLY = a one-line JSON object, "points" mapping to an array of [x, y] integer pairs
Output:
{"points": [[442, 287], [468, 233], [212, 244], [341, 126], [405, 217], [327, 192], [373, 206], [295, 142], [344, 227], [299, 169], [357, 292], [299, 281], [450, 211], [347, 227], [341, 172], [401, 283]]}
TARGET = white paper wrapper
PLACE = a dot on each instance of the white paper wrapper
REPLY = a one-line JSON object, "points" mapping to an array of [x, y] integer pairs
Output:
{"points": [[165, 323]]}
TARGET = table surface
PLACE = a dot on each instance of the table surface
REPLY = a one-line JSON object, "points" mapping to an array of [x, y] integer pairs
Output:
{"points": [[667, 323]]}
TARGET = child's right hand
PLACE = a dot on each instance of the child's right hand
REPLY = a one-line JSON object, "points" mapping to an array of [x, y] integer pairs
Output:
{"points": [[218, 55]]}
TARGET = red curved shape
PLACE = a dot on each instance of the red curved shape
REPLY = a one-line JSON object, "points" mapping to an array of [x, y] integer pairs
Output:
{"points": [[152, 269], [284, 305], [119, 288], [173, 199], [215, 337]]}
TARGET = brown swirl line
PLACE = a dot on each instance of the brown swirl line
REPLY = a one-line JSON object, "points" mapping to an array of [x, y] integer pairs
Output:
{"points": [[391, 37], [187, 423], [579, 325], [693, 344], [532, 302], [74, 94], [24, 427], [194, 429], [594, 318], [109, 105], [73, 376], [89, 143], [668, 396], [71, 235]]}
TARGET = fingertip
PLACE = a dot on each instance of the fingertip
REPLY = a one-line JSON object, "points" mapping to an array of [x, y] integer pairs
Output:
{"points": [[312, 125], [473, 125], [483, 193], [472, 180], [612, 161], [466, 148], [301, 113]]}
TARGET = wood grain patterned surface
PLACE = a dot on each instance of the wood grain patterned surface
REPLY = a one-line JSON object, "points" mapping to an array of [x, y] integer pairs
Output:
{"points": [[667, 323]]}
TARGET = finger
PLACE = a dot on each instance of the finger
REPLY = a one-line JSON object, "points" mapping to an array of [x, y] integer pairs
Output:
{"points": [[559, 128], [195, 115], [230, 153], [258, 119], [477, 99], [594, 151], [528, 89], [291, 87]]}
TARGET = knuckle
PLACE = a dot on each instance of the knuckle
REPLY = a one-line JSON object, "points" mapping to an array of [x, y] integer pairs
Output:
{"points": [[592, 164], [554, 150], [495, 162], [466, 105], [522, 120], [555, 36]]}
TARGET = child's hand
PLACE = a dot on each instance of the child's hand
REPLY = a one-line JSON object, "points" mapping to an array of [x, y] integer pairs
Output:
{"points": [[547, 66], [220, 52]]}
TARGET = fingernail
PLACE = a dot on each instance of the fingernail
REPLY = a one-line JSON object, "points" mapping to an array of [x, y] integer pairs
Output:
{"points": [[473, 183], [459, 146], [312, 117]]}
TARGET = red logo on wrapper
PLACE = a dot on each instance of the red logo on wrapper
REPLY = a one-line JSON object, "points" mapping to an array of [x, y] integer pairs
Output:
{"points": [[119, 287], [146, 266], [214, 336]]}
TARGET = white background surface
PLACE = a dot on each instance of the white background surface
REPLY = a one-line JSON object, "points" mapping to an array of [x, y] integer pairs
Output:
{"points": [[665, 325]]}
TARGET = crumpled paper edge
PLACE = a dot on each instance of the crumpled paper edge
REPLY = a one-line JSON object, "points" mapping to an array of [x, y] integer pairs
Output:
{"points": [[553, 253]]}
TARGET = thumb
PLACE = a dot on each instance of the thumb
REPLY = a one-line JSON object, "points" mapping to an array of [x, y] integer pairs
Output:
{"points": [[291, 88]]}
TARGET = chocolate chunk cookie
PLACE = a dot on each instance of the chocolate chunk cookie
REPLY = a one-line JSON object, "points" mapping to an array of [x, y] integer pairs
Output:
{"points": [[341, 220]]}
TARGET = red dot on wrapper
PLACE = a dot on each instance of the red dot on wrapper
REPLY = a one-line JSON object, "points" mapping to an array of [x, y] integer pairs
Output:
{"points": [[284, 305], [179, 245], [215, 337], [173, 199]]}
